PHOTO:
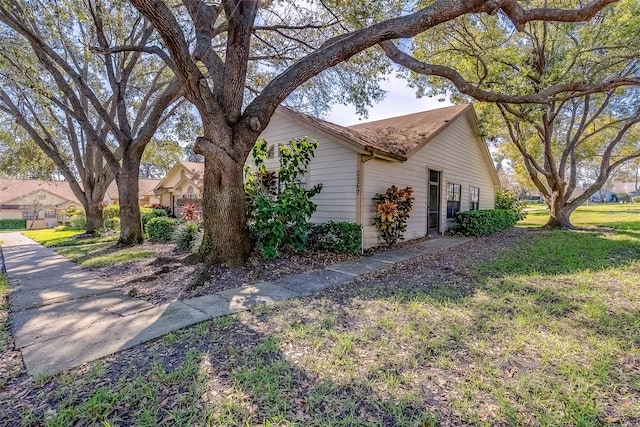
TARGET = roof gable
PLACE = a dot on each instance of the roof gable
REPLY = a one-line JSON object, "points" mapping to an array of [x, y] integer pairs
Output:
{"points": [[407, 134], [14, 189], [175, 176]]}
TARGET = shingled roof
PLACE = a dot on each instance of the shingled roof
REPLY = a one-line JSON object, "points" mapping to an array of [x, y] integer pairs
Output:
{"points": [[406, 134], [397, 137], [12, 189]]}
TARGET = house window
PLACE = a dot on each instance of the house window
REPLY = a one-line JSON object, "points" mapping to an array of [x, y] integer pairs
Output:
{"points": [[453, 199], [50, 214], [474, 198], [29, 215], [271, 152]]}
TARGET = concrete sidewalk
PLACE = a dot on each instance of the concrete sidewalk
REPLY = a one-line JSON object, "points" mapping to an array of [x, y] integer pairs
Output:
{"points": [[63, 315]]}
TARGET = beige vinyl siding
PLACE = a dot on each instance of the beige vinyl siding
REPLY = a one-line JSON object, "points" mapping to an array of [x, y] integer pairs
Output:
{"points": [[334, 165], [455, 152]]}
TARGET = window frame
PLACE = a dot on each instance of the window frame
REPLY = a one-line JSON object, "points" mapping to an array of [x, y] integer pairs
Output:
{"points": [[29, 215], [474, 198], [453, 205]]}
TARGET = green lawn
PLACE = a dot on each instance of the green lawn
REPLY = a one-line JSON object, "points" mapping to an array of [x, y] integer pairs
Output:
{"points": [[546, 333], [88, 252], [51, 237], [624, 217]]}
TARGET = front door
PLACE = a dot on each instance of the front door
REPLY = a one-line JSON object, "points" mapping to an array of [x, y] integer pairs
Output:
{"points": [[433, 203]]}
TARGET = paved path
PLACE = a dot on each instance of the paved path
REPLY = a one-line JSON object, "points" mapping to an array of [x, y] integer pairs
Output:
{"points": [[63, 315]]}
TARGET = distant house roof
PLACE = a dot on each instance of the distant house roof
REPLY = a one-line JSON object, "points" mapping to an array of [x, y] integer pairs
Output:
{"points": [[13, 189], [145, 188], [623, 187], [195, 167]]}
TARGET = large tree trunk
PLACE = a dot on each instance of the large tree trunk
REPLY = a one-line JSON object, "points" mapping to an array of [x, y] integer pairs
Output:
{"points": [[559, 213], [127, 179], [226, 237], [94, 217]]}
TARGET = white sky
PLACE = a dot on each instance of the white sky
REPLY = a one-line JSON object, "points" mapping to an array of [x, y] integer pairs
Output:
{"points": [[400, 100]]}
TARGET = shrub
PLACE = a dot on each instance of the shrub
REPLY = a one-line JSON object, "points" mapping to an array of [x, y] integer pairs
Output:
{"points": [[13, 224], [508, 200], [392, 213], [187, 236], [78, 221], [484, 222], [147, 214], [339, 237], [278, 214], [623, 197], [636, 199], [161, 228], [112, 223], [110, 211], [190, 213]]}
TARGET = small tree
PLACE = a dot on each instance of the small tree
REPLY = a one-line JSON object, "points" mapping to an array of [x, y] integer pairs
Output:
{"points": [[278, 212], [392, 213], [37, 203]]}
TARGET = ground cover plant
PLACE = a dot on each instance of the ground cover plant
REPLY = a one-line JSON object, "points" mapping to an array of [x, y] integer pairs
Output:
{"points": [[528, 327]]}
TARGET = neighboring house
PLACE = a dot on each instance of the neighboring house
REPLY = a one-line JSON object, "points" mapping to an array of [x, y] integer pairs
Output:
{"points": [[612, 190], [145, 191], [439, 153], [19, 199], [625, 188], [182, 184]]}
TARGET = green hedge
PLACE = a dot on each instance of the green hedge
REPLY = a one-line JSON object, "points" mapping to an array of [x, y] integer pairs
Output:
{"points": [[147, 214], [13, 224], [111, 211], [484, 222], [340, 237], [160, 229]]}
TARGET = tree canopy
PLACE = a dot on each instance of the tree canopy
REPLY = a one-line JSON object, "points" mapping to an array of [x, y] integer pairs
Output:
{"points": [[563, 94], [216, 47], [83, 66]]}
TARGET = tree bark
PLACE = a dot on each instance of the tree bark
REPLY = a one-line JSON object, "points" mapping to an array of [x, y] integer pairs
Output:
{"points": [[559, 214], [93, 212], [224, 214], [127, 179]]}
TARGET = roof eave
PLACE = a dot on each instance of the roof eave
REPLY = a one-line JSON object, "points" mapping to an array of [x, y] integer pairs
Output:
{"points": [[379, 154]]}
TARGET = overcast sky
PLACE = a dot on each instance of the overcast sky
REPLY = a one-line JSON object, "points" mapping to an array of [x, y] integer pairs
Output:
{"points": [[400, 100]]}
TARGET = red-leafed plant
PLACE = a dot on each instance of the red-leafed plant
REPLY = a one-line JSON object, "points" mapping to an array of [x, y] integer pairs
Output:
{"points": [[392, 212], [190, 213]]}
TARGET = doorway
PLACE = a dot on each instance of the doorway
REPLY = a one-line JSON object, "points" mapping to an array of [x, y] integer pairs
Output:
{"points": [[433, 202]]}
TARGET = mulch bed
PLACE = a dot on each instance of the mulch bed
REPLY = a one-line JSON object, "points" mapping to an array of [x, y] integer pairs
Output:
{"points": [[167, 278]]}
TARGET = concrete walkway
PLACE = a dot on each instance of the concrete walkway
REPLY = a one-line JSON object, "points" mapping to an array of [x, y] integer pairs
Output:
{"points": [[63, 315]]}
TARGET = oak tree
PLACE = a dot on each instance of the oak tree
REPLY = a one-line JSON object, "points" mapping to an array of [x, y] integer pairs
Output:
{"points": [[102, 74], [562, 94], [217, 46]]}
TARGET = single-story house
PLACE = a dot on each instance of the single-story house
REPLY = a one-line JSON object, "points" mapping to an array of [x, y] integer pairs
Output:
{"points": [[19, 198], [146, 196], [182, 184], [439, 153]]}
